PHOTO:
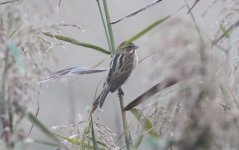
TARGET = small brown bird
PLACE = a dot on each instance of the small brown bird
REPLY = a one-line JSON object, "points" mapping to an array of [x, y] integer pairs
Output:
{"points": [[121, 66]]}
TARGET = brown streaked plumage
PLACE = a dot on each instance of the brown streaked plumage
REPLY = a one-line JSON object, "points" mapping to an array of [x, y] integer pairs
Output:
{"points": [[121, 66]]}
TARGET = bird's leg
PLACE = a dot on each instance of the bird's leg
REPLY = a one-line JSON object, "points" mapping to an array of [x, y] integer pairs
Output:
{"points": [[120, 91]]}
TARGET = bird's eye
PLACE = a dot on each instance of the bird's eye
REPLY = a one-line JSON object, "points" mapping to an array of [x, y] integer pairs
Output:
{"points": [[129, 48]]}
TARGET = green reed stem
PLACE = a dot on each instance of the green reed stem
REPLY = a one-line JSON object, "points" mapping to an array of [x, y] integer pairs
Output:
{"points": [[104, 24], [110, 38], [125, 124], [110, 31]]}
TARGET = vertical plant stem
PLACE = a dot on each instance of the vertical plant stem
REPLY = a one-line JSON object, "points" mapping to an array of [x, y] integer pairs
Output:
{"points": [[125, 123], [93, 134], [109, 26], [104, 24], [111, 43]]}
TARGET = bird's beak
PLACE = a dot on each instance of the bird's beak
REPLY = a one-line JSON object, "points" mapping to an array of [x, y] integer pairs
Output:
{"points": [[136, 47]]}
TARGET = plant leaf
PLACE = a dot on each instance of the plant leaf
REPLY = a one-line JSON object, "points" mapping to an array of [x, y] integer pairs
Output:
{"points": [[109, 27], [76, 42], [194, 4], [145, 122], [104, 23], [147, 29], [76, 141], [45, 143], [138, 142], [226, 32], [44, 129], [99, 142], [93, 135], [150, 92], [71, 71], [8, 2], [37, 123], [137, 11], [70, 139]]}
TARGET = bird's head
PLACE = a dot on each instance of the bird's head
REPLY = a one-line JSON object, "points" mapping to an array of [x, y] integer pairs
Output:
{"points": [[126, 48]]}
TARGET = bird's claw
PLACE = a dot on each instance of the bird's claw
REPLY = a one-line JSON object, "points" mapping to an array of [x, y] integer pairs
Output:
{"points": [[120, 92]]}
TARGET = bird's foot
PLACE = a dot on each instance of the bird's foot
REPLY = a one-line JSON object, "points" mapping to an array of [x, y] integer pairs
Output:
{"points": [[120, 92]]}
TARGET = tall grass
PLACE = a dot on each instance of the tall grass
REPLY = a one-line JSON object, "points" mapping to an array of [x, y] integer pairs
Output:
{"points": [[194, 107]]}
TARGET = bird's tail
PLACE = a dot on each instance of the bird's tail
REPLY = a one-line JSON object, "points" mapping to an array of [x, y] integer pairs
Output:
{"points": [[101, 98]]}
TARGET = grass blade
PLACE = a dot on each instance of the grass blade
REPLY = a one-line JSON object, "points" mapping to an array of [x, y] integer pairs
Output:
{"points": [[147, 29], [44, 129], [76, 42], [226, 32], [110, 31], [70, 139], [93, 135], [138, 11], [45, 143], [145, 122], [194, 4], [104, 24], [138, 142], [8, 2], [76, 141], [150, 92], [71, 71]]}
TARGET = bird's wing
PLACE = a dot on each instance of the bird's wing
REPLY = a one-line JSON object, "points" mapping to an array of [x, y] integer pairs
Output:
{"points": [[119, 80], [118, 74]]}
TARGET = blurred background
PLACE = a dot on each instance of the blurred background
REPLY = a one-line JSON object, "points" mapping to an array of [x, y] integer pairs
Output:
{"points": [[67, 100]]}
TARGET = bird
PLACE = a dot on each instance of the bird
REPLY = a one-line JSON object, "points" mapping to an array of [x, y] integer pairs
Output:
{"points": [[122, 64]]}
